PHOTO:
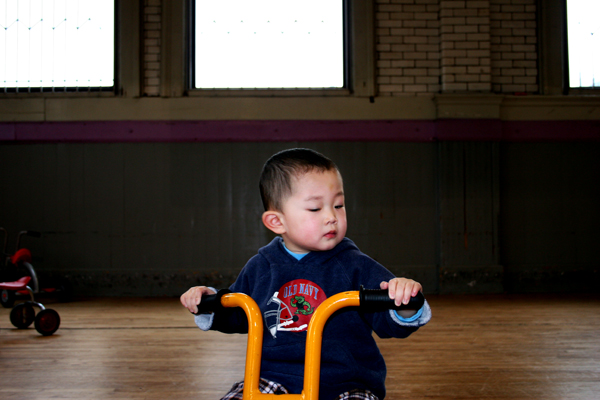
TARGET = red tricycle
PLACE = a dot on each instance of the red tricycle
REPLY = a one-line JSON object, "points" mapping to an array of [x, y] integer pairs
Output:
{"points": [[23, 315], [19, 264], [13, 266]]}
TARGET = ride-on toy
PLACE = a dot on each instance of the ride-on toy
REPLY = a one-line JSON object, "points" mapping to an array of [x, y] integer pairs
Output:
{"points": [[369, 300], [22, 315], [17, 265]]}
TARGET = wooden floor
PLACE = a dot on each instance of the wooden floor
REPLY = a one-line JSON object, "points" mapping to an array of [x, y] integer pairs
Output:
{"points": [[475, 347]]}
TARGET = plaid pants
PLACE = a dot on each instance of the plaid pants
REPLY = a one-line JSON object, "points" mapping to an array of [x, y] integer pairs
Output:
{"points": [[266, 386]]}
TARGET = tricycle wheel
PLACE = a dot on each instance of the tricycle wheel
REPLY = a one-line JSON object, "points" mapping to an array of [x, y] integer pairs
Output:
{"points": [[22, 315], [7, 298], [47, 322]]}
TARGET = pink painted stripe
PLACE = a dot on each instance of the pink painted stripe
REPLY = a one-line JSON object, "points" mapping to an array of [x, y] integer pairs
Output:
{"points": [[284, 130], [218, 131], [551, 131]]}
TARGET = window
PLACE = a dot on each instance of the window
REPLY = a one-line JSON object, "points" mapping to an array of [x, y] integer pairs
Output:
{"points": [[59, 45], [241, 44], [583, 28]]}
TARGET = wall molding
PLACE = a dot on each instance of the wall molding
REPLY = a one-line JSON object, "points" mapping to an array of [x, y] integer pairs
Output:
{"points": [[57, 108]]}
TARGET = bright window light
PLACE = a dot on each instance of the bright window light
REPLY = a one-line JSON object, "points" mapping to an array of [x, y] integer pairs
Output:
{"points": [[269, 44], [584, 43], [57, 43]]}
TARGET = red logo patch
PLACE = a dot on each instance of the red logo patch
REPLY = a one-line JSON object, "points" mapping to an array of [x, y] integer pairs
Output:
{"points": [[295, 303]]}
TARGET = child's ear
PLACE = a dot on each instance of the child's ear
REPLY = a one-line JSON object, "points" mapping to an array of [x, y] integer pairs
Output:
{"points": [[272, 220]]}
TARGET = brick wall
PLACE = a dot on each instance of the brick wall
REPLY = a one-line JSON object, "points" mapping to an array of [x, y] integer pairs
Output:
{"points": [[151, 48], [450, 46], [465, 46], [426, 47], [514, 46], [408, 46]]}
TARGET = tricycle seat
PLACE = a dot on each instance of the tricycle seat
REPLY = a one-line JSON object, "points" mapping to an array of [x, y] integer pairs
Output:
{"points": [[21, 284]]}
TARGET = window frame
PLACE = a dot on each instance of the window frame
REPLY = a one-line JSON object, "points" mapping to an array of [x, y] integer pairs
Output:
{"points": [[126, 62], [359, 56], [568, 88], [554, 60]]}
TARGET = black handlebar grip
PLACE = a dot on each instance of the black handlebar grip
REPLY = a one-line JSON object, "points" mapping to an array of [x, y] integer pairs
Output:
{"points": [[372, 300], [34, 234], [212, 302]]}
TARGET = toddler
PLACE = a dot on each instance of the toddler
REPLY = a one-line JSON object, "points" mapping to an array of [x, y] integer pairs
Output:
{"points": [[310, 260]]}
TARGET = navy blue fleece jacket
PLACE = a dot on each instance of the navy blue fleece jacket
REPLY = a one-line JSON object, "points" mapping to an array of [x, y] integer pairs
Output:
{"points": [[288, 290]]}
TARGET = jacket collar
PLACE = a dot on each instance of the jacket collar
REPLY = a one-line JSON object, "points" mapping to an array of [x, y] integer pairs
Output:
{"points": [[275, 253]]}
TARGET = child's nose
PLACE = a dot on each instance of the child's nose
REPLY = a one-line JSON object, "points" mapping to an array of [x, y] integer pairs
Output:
{"points": [[331, 217]]}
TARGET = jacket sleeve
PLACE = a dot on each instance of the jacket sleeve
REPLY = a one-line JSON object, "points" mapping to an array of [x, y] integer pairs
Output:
{"points": [[387, 324], [227, 320], [234, 320], [230, 320]]}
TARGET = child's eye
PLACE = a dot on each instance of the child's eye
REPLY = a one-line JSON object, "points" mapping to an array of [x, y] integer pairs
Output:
{"points": [[340, 206], [314, 209]]}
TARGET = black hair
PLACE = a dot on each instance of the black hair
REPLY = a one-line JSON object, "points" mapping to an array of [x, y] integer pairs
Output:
{"points": [[276, 177]]}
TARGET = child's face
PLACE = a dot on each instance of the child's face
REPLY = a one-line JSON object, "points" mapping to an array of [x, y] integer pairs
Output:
{"points": [[314, 216]]}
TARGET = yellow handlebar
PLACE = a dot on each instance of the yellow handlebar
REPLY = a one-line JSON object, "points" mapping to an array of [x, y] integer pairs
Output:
{"points": [[314, 340]]}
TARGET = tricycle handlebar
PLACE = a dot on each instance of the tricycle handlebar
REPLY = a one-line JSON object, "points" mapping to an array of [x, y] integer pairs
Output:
{"points": [[212, 302], [371, 300], [374, 300]]}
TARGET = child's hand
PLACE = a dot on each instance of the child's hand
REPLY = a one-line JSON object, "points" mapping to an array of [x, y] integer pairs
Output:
{"points": [[402, 289], [193, 296]]}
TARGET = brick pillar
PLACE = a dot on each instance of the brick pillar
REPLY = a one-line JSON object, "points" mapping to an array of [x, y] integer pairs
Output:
{"points": [[151, 52], [465, 45], [514, 46], [408, 47]]}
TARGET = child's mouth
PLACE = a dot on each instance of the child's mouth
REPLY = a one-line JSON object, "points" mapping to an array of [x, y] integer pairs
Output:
{"points": [[331, 234]]}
